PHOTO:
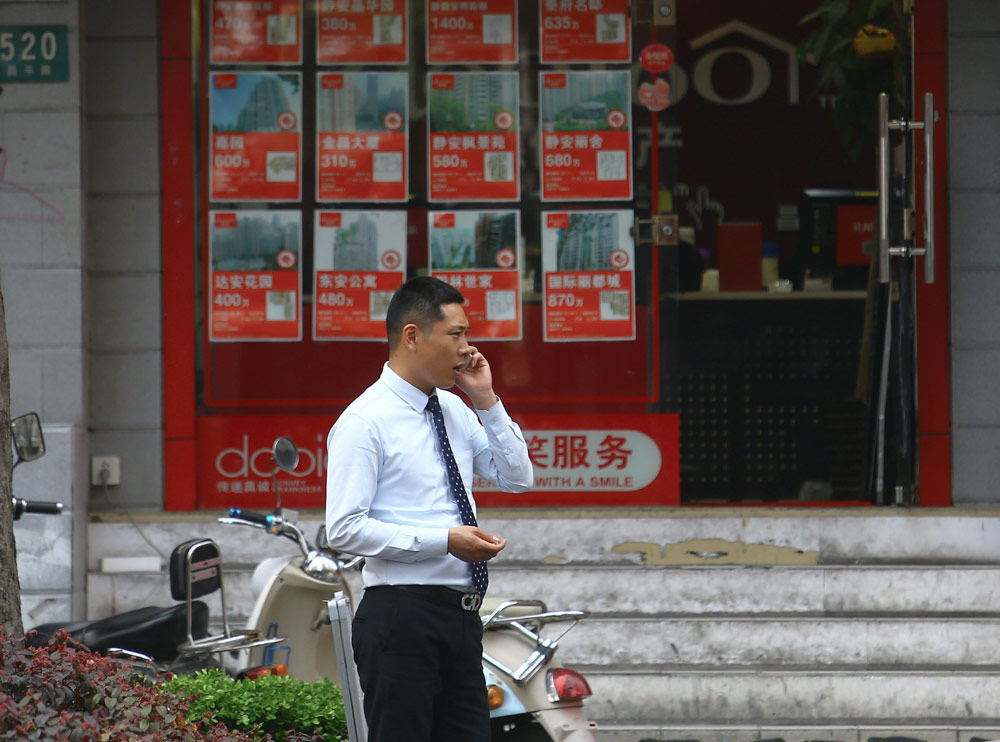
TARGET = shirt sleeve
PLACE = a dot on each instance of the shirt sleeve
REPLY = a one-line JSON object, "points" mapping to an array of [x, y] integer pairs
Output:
{"points": [[354, 456], [501, 455]]}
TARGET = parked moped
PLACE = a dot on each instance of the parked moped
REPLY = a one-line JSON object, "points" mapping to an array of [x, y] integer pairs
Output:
{"points": [[171, 639]]}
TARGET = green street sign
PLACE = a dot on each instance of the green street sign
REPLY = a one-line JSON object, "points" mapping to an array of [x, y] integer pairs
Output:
{"points": [[34, 54]]}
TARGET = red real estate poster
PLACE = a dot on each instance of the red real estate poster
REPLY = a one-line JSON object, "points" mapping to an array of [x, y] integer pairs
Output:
{"points": [[359, 259], [256, 139], [368, 32], [588, 31], [477, 253], [255, 276], [246, 32], [588, 269], [361, 136], [586, 136], [480, 31], [473, 137]]}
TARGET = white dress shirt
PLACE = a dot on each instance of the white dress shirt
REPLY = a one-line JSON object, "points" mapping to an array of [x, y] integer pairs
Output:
{"points": [[387, 493]]}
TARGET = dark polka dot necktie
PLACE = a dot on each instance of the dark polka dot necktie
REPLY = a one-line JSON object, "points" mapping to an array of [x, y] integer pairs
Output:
{"points": [[480, 578]]}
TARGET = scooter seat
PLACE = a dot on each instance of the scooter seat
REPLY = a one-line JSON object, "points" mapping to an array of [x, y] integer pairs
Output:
{"points": [[156, 632]]}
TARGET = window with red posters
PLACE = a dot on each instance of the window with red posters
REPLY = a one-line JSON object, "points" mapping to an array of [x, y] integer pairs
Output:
{"points": [[509, 147]]}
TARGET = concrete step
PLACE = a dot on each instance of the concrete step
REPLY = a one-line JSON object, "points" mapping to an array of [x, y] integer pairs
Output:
{"points": [[637, 536], [783, 641], [814, 590], [663, 592], [657, 696], [845, 731]]}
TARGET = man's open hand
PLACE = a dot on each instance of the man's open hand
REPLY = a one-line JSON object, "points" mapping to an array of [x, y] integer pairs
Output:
{"points": [[470, 544]]}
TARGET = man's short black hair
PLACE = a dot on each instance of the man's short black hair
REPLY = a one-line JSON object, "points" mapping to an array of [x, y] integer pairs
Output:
{"points": [[418, 301]]}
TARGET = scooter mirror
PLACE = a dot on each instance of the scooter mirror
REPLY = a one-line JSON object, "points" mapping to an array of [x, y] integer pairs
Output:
{"points": [[29, 443], [286, 455]]}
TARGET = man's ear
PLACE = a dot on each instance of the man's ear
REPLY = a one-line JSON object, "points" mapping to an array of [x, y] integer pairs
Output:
{"points": [[409, 335]]}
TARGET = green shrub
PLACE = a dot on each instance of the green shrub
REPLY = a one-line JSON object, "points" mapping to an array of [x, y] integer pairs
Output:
{"points": [[64, 693], [273, 704]]}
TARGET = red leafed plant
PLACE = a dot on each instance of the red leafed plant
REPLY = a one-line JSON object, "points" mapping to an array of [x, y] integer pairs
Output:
{"points": [[64, 693]]}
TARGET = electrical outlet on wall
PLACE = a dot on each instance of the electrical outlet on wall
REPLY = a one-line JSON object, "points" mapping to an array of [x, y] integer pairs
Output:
{"points": [[105, 470]]}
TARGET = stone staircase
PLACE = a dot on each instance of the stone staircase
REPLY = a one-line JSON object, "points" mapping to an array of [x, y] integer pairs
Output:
{"points": [[725, 626]]}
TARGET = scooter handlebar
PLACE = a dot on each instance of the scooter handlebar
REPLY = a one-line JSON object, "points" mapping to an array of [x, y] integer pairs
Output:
{"points": [[35, 506], [249, 515]]}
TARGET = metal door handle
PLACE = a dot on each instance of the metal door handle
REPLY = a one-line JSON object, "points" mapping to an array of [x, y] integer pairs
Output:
{"points": [[884, 247], [883, 188], [929, 188]]}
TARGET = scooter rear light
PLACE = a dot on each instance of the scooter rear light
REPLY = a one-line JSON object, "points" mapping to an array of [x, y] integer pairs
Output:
{"points": [[566, 685], [494, 694], [263, 671]]}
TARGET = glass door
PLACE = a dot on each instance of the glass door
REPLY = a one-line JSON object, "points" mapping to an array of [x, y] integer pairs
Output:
{"points": [[793, 366]]}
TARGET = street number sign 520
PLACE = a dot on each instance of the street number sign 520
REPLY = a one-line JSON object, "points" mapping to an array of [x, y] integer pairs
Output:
{"points": [[34, 54]]}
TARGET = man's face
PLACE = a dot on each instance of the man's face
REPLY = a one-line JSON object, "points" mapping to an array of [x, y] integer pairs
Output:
{"points": [[442, 351]]}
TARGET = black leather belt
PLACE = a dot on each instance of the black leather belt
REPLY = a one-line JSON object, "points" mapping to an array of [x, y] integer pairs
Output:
{"points": [[440, 595]]}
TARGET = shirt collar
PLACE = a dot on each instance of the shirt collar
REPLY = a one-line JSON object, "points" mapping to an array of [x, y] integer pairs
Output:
{"points": [[404, 389]]}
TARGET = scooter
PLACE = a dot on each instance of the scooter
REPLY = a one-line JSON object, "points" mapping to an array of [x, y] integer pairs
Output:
{"points": [[156, 640], [529, 700]]}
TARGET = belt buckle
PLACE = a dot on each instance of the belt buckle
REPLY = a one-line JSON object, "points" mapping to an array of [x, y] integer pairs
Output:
{"points": [[472, 601]]}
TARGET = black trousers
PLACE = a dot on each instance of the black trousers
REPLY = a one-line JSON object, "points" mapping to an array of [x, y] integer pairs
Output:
{"points": [[420, 666]]}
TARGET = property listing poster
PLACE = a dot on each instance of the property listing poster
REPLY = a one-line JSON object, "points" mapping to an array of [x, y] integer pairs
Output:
{"points": [[477, 253], [359, 259], [471, 31], [585, 31], [256, 138], [473, 137], [361, 32], [255, 277], [588, 268], [361, 136], [586, 136], [257, 32]]}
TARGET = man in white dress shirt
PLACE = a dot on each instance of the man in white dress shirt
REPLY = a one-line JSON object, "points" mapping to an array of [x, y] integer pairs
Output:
{"points": [[392, 499]]}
